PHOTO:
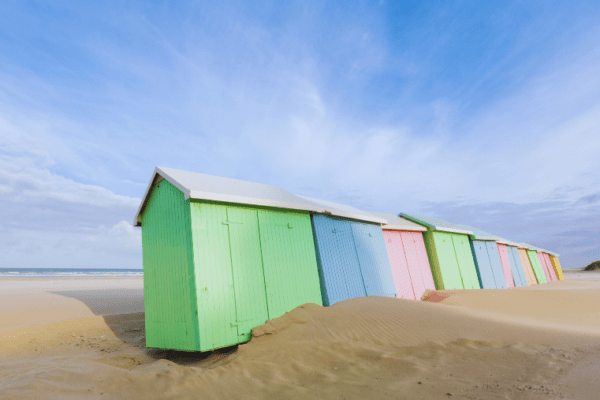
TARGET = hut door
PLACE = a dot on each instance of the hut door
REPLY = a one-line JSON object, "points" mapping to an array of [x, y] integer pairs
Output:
{"points": [[414, 263], [482, 261], [465, 262], [247, 268], [448, 261], [402, 278], [344, 240], [373, 259]]}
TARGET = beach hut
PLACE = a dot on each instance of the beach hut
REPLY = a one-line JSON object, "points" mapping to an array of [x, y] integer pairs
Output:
{"points": [[220, 257], [527, 267], [490, 272], [547, 264], [408, 256], [556, 266], [537, 267], [351, 253], [449, 253], [509, 255]]}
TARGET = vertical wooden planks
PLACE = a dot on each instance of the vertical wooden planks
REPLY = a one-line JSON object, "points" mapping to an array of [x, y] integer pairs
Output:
{"points": [[338, 263], [373, 259], [169, 296], [399, 264], [527, 267], [506, 268], [545, 260], [290, 265], [516, 266], [497, 270], [422, 267], [482, 263], [247, 266], [446, 266], [557, 268], [217, 311], [536, 266], [465, 260]]}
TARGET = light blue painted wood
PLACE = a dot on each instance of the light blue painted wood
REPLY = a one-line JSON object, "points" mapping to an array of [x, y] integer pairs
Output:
{"points": [[496, 264], [339, 269], [374, 260], [483, 265], [516, 266]]}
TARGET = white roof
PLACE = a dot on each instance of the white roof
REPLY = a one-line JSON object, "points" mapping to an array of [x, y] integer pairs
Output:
{"points": [[507, 242], [437, 224], [397, 223], [195, 185], [528, 246], [342, 210]]}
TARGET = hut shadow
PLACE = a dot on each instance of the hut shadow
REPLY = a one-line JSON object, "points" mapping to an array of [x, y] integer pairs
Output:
{"points": [[123, 312]]}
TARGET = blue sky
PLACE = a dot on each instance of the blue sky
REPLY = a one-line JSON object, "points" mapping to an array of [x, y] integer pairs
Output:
{"points": [[481, 113]]}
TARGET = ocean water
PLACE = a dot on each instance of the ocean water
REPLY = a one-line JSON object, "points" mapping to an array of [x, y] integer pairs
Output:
{"points": [[69, 273]]}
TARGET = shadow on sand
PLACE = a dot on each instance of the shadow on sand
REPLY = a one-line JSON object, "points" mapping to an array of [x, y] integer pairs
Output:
{"points": [[123, 313]]}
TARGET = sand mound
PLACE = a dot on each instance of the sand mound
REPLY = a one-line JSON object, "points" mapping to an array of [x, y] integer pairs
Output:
{"points": [[593, 266], [466, 343]]}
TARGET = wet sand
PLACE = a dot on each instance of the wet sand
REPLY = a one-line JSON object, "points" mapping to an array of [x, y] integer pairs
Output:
{"points": [[84, 338]]}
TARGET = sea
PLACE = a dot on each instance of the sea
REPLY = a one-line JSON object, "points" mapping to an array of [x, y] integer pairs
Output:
{"points": [[70, 273]]}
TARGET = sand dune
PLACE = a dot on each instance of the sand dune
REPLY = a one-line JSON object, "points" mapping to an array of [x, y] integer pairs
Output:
{"points": [[486, 344]]}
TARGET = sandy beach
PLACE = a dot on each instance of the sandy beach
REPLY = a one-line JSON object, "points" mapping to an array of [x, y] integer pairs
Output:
{"points": [[84, 338]]}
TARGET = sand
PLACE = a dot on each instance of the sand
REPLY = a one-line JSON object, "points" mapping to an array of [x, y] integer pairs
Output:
{"points": [[84, 338]]}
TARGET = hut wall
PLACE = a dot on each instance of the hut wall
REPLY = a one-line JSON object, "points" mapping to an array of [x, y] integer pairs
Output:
{"points": [[452, 264], [409, 262], [557, 268], [506, 267], [516, 266], [545, 261], [537, 266], [352, 259], [251, 265], [169, 287], [496, 263], [529, 274], [483, 264]]}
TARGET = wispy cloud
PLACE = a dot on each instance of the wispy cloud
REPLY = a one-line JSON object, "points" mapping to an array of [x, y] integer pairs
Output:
{"points": [[491, 117]]}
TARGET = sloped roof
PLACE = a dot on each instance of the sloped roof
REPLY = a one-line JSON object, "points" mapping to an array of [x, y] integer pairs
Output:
{"points": [[479, 234], [342, 210], [528, 246], [397, 223], [437, 224], [195, 185]]}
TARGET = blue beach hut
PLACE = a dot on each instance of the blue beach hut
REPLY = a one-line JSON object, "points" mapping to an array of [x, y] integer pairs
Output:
{"points": [[487, 259], [514, 260], [351, 255]]}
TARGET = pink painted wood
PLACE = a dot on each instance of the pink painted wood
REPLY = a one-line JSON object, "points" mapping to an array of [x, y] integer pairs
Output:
{"points": [[395, 249], [506, 265], [418, 263], [549, 265], [544, 266]]}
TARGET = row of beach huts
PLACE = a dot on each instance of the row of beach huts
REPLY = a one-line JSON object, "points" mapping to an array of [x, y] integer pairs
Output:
{"points": [[222, 256]]}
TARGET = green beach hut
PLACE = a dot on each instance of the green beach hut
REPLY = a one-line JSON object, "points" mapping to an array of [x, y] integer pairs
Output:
{"points": [[449, 253], [221, 256]]}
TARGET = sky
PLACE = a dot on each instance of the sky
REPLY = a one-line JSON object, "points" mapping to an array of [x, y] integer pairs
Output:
{"points": [[480, 113]]}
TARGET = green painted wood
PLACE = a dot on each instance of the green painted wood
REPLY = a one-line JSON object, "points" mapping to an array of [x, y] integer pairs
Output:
{"points": [[169, 287], [251, 265], [247, 265], [537, 266], [217, 313], [466, 264], [448, 264], [289, 259]]}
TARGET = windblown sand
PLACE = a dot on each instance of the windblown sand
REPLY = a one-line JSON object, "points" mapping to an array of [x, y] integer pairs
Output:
{"points": [[84, 338]]}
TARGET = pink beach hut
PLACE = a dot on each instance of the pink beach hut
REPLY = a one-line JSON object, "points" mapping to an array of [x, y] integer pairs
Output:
{"points": [[408, 256], [547, 265]]}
